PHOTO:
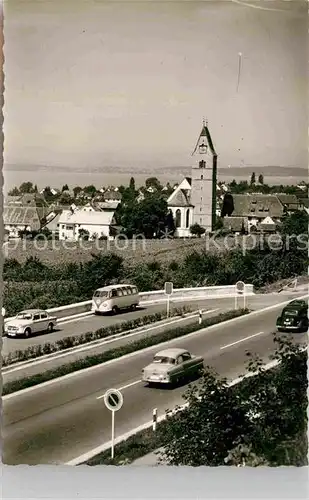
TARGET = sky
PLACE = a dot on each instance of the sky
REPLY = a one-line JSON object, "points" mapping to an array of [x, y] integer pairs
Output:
{"points": [[95, 83]]}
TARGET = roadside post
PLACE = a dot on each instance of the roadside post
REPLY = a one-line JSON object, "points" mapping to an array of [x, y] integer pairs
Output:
{"points": [[113, 400], [3, 312], [168, 289], [200, 317], [240, 288], [154, 419]]}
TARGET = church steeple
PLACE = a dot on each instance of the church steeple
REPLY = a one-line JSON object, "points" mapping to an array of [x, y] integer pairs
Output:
{"points": [[204, 141]]}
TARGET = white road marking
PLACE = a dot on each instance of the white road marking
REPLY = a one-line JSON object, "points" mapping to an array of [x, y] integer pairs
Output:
{"points": [[241, 340], [207, 330], [91, 345], [123, 387]]}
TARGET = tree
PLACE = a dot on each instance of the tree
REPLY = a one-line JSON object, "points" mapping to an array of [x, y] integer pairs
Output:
{"points": [[147, 217], [170, 223], [132, 184], [153, 182], [14, 192], [26, 188], [76, 191], [228, 205], [295, 223], [83, 234], [252, 180], [90, 190], [197, 230], [259, 421], [261, 179], [65, 188]]}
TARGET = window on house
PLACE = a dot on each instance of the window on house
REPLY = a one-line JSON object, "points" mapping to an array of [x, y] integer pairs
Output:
{"points": [[178, 218], [187, 218], [202, 177]]}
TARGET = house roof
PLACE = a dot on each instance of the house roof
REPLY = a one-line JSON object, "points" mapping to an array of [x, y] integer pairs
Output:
{"points": [[88, 218], [181, 198], [233, 223], [112, 195], [290, 200], [52, 225], [21, 216], [257, 205]]}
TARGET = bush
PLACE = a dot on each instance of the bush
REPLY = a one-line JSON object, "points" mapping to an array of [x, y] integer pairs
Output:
{"points": [[117, 352], [75, 340]]}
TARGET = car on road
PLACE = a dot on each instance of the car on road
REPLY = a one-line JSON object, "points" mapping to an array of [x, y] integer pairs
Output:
{"points": [[113, 298], [172, 366], [30, 321], [294, 317]]}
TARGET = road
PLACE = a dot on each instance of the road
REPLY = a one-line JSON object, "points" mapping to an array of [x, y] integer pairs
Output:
{"points": [[82, 325], [55, 423]]}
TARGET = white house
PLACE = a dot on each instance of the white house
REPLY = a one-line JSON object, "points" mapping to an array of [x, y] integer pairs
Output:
{"points": [[96, 223]]}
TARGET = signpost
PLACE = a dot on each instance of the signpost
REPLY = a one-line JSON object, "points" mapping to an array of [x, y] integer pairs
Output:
{"points": [[113, 400], [168, 289], [240, 292]]}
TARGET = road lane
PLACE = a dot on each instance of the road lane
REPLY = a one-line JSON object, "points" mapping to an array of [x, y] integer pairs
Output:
{"points": [[58, 422], [93, 322]]}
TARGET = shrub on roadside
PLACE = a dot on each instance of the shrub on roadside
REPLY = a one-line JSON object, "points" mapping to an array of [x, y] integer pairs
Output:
{"points": [[75, 340], [118, 352]]}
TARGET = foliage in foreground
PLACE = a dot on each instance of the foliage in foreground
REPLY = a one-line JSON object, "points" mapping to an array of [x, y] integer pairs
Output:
{"points": [[260, 421], [117, 352]]}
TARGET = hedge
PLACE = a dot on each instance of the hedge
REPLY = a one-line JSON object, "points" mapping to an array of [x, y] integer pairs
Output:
{"points": [[36, 351], [117, 352]]}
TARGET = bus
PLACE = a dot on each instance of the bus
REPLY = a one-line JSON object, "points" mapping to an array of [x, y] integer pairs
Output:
{"points": [[112, 298]]}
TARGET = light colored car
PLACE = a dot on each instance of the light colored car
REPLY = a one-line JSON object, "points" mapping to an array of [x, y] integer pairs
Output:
{"points": [[172, 366], [30, 321]]}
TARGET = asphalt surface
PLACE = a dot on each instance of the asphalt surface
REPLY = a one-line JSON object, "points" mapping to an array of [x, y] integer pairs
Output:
{"points": [[55, 423], [93, 322]]}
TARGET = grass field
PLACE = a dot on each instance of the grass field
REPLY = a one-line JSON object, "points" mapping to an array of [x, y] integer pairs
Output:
{"points": [[51, 252]]}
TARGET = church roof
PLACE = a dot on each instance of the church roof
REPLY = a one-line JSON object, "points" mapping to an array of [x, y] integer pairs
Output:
{"points": [[205, 133], [181, 199]]}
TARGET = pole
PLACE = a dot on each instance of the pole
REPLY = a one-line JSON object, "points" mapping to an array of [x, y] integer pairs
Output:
{"points": [[154, 419], [168, 306], [113, 433], [200, 317]]}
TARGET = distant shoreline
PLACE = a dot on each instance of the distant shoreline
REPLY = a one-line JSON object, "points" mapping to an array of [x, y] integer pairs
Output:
{"points": [[58, 176]]}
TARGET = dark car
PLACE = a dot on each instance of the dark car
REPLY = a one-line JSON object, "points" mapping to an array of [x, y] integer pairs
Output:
{"points": [[294, 317]]}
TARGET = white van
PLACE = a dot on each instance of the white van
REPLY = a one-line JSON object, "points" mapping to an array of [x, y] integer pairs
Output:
{"points": [[115, 297]]}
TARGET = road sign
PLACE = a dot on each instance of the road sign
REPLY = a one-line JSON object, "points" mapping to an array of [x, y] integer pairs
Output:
{"points": [[240, 287], [113, 400], [3, 312], [168, 288], [240, 290]]}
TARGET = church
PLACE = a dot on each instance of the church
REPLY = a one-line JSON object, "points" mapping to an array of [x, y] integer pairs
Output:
{"points": [[194, 200]]}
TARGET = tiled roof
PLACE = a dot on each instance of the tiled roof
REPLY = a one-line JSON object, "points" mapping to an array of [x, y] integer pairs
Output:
{"points": [[289, 200], [180, 199], [205, 133], [304, 202], [112, 195], [88, 218], [257, 205], [189, 180], [21, 216], [233, 223]]}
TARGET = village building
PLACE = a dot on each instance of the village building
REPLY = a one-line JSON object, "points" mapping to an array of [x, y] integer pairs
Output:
{"points": [[194, 200], [18, 218], [72, 223]]}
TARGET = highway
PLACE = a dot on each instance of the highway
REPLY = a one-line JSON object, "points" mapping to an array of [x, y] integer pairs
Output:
{"points": [[85, 324], [57, 422]]}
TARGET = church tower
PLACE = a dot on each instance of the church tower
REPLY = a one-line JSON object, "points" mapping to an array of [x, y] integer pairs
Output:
{"points": [[204, 181]]}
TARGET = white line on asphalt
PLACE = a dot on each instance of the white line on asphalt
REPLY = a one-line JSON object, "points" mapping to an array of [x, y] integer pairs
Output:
{"points": [[123, 387], [241, 340], [93, 344], [208, 329], [107, 445]]}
